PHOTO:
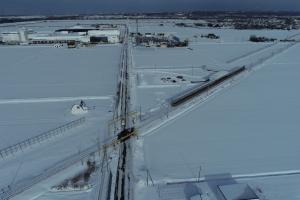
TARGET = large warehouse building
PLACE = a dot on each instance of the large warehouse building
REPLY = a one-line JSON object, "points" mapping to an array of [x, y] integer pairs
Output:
{"points": [[77, 34], [16, 37]]}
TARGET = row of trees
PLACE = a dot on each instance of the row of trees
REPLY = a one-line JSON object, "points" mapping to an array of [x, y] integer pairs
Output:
{"points": [[254, 38]]}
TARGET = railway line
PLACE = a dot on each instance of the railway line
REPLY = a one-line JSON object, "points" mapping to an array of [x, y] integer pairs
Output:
{"points": [[189, 94], [126, 127], [121, 129]]}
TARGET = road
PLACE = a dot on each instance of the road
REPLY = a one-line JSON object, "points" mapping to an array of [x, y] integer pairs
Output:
{"points": [[122, 131], [123, 184]]}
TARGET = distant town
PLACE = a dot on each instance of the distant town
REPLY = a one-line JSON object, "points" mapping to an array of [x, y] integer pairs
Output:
{"points": [[237, 20]]}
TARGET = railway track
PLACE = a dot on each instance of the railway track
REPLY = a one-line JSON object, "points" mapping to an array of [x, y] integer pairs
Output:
{"points": [[191, 93], [127, 131]]}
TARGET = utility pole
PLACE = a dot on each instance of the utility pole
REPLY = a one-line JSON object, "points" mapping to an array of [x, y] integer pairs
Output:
{"points": [[199, 173], [137, 26]]}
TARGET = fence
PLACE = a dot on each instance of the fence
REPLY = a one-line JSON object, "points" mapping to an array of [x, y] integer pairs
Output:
{"points": [[12, 190], [21, 146]]}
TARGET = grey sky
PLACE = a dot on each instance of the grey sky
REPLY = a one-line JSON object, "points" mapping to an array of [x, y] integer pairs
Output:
{"points": [[106, 6]]}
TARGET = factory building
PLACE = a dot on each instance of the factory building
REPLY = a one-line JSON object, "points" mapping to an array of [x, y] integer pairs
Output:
{"points": [[73, 34], [10, 37], [54, 38], [17, 37], [110, 35], [96, 35]]}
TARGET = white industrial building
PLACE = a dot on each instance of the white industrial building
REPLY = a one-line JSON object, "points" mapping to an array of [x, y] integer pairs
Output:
{"points": [[77, 34], [10, 37], [55, 38], [94, 34], [17, 37]]}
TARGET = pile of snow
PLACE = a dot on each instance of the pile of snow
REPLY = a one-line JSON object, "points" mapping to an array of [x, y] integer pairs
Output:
{"points": [[85, 187], [79, 110]]}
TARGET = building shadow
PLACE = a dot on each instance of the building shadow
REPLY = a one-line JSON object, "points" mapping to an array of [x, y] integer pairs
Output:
{"points": [[191, 190], [215, 180]]}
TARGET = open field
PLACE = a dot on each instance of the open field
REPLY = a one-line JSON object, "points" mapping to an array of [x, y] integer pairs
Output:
{"points": [[214, 55], [43, 72], [25, 120], [200, 60], [249, 129], [244, 130], [40, 84]]}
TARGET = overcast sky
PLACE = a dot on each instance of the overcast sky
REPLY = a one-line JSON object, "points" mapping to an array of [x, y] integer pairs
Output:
{"points": [[107, 6]]}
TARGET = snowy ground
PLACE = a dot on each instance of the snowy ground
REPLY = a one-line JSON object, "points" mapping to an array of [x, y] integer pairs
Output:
{"points": [[39, 85], [245, 130], [22, 121], [43, 72], [214, 55], [199, 61], [248, 129], [265, 188]]}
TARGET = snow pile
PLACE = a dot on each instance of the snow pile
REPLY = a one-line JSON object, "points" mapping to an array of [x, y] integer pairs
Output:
{"points": [[79, 110]]}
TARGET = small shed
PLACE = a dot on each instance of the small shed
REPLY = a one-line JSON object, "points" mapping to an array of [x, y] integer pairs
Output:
{"points": [[238, 191]]}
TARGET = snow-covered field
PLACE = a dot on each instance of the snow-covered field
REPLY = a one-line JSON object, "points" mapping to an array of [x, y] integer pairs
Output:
{"points": [[248, 129], [200, 59], [43, 72], [214, 55], [247, 132], [25, 120], [39, 85]]}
